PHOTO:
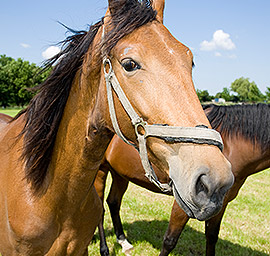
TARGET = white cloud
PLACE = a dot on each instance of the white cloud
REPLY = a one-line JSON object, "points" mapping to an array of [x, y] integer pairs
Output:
{"points": [[220, 41], [25, 45], [50, 52], [218, 54]]}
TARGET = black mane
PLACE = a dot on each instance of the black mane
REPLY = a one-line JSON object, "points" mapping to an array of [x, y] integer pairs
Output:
{"points": [[44, 113], [250, 121]]}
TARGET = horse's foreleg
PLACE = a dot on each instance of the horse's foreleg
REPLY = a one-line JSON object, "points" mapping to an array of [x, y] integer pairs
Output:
{"points": [[212, 227], [177, 223], [118, 188], [100, 183], [86, 252], [104, 249]]}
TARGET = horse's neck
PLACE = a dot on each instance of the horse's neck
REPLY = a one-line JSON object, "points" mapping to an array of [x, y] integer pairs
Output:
{"points": [[79, 147], [246, 157]]}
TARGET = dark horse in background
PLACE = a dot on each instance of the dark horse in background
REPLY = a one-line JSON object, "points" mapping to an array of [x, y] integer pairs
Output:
{"points": [[246, 136]]}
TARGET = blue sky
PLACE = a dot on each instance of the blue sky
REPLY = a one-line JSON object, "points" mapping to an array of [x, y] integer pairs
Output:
{"points": [[229, 39]]}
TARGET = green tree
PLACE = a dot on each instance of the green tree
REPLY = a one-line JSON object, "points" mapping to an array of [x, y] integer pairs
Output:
{"points": [[4, 81], [204, 95], [225, 94], [20, 77], [246, 90], [235, 98], [255, 94], [4, 60], [16, 76], [267, 93]]}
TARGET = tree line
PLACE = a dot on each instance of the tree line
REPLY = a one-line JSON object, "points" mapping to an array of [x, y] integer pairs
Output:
{"points": [[241, 90], [16, 79], [18, 76]]}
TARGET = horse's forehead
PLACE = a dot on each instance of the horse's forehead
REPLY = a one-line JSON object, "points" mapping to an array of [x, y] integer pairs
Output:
{"points": [[153, 38]]}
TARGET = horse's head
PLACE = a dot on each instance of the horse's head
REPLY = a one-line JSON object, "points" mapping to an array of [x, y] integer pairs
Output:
{"points": [[154, 70]]}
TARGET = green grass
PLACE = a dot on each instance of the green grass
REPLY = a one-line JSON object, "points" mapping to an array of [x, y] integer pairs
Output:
{"points": [[10, 111], [245, 229]]}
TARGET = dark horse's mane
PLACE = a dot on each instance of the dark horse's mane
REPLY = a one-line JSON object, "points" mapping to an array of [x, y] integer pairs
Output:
{"points": [[250, 121], [44, 113]]}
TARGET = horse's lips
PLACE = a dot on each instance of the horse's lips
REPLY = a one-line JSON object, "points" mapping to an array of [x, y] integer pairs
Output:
{"points": [[181, 202]]}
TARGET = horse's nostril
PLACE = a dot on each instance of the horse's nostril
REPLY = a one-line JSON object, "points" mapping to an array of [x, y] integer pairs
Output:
{"points": [[201, 185]]}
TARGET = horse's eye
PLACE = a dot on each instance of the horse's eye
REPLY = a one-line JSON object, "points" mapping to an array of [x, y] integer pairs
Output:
{"points": [[130, 65]]}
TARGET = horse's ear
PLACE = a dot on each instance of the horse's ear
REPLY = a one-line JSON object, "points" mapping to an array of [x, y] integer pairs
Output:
{"points": [[114, 5], [159, 5]]}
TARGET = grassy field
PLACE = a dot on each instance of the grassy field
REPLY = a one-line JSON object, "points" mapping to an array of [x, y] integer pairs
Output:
{"points": [[245, 229], [10, 111]]}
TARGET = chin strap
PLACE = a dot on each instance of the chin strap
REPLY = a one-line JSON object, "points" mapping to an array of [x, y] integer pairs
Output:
{"points": [[172, 134]]}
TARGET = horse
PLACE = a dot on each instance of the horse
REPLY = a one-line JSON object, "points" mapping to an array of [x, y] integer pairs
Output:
{"points": [[5, 118], [246, 137], [105, 81]]}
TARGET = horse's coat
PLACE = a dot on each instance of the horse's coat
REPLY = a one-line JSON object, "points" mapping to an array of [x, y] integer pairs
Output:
{"points": [[51, 152]]}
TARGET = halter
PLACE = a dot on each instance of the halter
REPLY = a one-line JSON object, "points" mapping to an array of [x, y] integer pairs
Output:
{"points": [[198, 135]]}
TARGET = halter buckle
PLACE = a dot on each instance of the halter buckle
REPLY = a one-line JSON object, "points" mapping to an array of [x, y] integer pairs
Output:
{"points": [[140, 128]]}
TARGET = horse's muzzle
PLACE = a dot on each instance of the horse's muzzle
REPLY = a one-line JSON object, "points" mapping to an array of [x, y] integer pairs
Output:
{"points": [[204, 197]]}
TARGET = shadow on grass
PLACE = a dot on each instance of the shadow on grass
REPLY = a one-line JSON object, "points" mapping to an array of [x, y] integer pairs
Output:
{"points": [[191, 241]]}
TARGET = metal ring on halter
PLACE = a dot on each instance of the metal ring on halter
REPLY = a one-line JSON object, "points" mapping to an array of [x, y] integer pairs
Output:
{"points": [[139, 125], [105, 63]]}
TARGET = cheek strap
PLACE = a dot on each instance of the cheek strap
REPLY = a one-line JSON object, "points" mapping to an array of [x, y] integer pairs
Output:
{"points": [[170, 134]]}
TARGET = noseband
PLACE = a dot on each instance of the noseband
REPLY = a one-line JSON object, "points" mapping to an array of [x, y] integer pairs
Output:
{"points": [[172, 134]]}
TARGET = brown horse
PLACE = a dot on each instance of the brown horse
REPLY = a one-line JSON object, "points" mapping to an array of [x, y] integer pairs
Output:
{"points": [[246, 138], [4, 118], [51, 151]]}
